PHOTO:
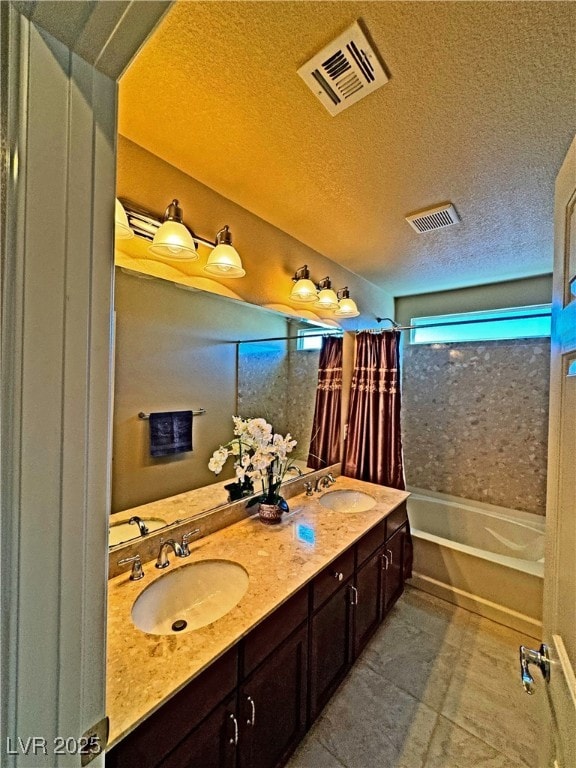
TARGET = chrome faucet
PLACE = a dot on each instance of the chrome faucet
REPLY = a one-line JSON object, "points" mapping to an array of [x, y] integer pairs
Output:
{"points": [[136, 573], [162, 560], [325, 481], [185, 539], [140, 523]]}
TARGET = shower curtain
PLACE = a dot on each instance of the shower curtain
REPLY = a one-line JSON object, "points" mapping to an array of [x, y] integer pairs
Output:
{"points": [[373, 448], [325, 441]]}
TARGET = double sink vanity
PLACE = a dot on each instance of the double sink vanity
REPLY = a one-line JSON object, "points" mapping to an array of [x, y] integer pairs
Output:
{"points": [[224, 658]]}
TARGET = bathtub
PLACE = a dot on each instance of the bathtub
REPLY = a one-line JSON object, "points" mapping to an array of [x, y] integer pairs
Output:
{"points": [[487, 559]]}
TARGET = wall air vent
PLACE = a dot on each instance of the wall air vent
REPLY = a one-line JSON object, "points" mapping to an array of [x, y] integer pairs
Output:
{"points": [[345, 71], [434, 218]]}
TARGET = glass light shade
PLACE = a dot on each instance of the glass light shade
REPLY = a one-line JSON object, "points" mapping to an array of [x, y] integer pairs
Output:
{"points": [[122, 230], [327, 299], [224, 261], [173, 241], [304, 290], [347, 308]]}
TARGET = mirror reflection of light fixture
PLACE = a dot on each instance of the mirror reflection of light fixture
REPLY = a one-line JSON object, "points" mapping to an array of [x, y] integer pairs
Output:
{"points": [[224, 260], [122, 230], [346, 306], [326, 298], [304, 289], [172, 240]]}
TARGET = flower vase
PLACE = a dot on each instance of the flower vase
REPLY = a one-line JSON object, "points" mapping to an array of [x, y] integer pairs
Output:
{"points": [[270, 514]]}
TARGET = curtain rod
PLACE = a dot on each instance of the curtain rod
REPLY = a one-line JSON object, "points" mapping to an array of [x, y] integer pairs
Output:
{"points": [[394, 327], [457, 322]]}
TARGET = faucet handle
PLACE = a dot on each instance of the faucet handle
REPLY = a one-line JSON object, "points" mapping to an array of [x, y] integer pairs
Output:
{"points": [[331, 478], [185, 539], [309, 488], [137, 571]]}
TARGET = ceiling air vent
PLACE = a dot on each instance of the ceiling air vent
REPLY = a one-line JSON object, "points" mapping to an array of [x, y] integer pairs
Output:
{"points": [[345, 71], [434, 218]]}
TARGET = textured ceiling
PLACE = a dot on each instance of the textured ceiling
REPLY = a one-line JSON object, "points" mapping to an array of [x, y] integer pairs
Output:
{"points": [[480, 110]]}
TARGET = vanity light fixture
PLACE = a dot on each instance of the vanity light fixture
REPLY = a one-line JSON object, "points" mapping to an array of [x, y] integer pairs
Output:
{"points": [[304, 289], [122, 227], [224, 260], [327, 298], [173, 240], [346, 306]]}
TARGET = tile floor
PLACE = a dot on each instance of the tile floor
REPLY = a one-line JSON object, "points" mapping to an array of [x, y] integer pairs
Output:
{"points": [[436, 687]]}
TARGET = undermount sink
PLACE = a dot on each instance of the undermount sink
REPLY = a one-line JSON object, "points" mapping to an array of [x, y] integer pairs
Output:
{"points": [[347, 501], [190, 597], [125, 531]]}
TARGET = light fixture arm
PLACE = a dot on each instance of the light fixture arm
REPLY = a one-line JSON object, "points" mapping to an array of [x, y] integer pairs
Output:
{"points": [[224, 236], [343, 293], [302, 273], [173, 212], [144, 223]]}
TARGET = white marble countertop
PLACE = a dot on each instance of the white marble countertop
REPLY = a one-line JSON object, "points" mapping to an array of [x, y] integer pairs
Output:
{"points": [[144, 670]]}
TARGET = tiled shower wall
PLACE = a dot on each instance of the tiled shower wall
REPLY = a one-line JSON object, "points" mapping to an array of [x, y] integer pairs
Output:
{"points": [[278, 383], [475, 420]]}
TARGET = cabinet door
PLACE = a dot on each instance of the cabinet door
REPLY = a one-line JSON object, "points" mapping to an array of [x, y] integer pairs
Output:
{"points": [[394, 582], [272, 705], [213, 744], [330, 648], [367, 598]]}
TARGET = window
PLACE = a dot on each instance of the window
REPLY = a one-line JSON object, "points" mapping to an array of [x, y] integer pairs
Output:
{"points": [[311, 338], [487, 325]]}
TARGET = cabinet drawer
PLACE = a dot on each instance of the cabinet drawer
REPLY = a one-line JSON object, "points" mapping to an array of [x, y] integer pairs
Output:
{"points": [[332, 577], [273, 630], [369, 543], [162, 732], [396, 519]]}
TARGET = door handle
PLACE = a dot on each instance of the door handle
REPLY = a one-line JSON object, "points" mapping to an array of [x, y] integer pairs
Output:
{"points": [[234, 739], [354, 596], [389, 551], [251, 720], [540, 659], [384, 562]]}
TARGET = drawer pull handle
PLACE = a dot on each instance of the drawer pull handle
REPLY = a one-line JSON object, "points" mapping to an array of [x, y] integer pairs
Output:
{"points": [[251, 720], [234, 739], [384, 562], [389, 551], [338, 575]]}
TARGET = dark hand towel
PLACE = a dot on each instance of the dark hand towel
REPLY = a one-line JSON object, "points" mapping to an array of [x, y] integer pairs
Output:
{"points": [[170, 433]]}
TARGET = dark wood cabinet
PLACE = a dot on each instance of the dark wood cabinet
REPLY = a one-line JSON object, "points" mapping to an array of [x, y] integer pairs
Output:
{"points": [[367, 600], [330, 647], [252, 706], [213, 744], [394, 568], [152, 741], [272, 705]]}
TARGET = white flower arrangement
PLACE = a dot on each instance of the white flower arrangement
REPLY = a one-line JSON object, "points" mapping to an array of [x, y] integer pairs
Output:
{"points": [[259, 455]]}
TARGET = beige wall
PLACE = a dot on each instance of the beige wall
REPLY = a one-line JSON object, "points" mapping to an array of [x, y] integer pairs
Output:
{"points": [[269, 255], [514, 293], [174, 352]]}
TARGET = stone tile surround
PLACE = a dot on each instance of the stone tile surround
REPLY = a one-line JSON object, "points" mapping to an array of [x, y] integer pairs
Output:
{"points": [[475, 420]]}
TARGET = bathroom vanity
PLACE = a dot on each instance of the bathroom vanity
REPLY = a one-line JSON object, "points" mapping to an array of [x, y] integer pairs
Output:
{"points": [[242, 691]]}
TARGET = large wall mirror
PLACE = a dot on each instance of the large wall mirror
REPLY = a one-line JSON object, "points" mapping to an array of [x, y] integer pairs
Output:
{"points": [[175, 349]]}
